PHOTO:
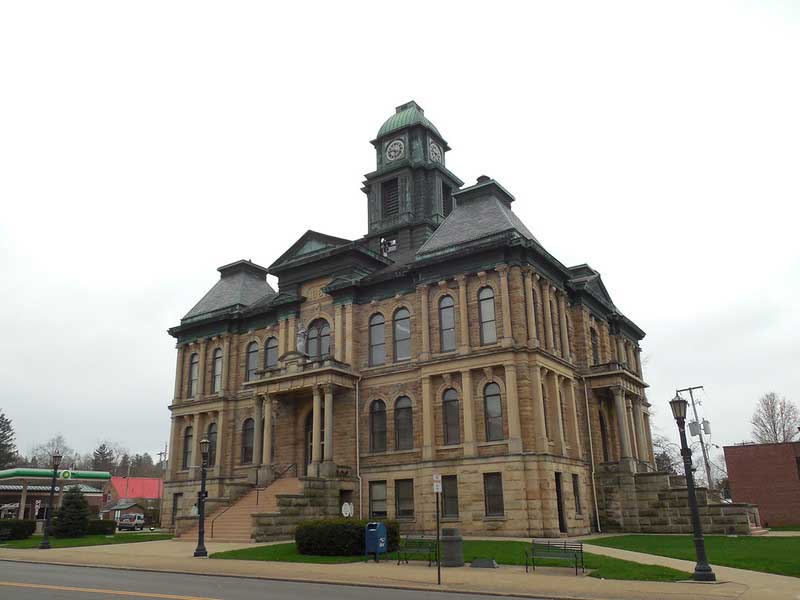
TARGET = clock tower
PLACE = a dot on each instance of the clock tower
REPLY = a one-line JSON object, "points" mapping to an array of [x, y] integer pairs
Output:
{"points": [[411, 191]]}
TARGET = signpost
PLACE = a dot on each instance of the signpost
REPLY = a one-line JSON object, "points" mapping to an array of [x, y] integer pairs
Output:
{"points": [[437, 491]]}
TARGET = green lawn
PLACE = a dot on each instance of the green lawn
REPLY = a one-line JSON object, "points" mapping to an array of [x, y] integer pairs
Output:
{"points": [[89, 540], [504, 552], [785, 528], [777, 555]]}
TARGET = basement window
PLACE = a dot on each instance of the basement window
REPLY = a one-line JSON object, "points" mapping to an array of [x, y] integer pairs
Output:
{"points": [[390, 198]]}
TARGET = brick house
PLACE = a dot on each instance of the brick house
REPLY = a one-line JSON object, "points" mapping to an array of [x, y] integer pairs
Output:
{"points": [[767, 475], [446, 340]]}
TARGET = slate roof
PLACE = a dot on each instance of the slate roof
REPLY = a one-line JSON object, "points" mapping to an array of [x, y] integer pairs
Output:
{"points": [[241, 284], [485, 211], [586, 278], [406, 114]]}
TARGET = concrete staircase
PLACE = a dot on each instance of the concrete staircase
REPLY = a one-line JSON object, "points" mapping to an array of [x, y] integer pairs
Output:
{"points": [[234, 523]]}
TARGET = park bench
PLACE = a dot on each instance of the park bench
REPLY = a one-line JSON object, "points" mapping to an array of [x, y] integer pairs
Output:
{"points": [[416, 545], [558, 549]]}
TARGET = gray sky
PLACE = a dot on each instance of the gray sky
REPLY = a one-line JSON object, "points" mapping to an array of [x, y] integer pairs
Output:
{"points": [[142, 145]]}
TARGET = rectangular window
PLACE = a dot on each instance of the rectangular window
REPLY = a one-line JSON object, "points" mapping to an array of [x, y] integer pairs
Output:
{"points": [[447, 324], [390, 198], [447, 200], [377, 499], [449, 496], [493, 494], [404, 498], [576, 491]]}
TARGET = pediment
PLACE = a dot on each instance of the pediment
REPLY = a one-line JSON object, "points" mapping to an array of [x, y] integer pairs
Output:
{"points": [[309, 244]]}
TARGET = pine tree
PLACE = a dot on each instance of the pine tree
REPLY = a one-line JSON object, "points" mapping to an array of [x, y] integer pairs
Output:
{"points": [[8, 450], [72, 519], [103, 459]]}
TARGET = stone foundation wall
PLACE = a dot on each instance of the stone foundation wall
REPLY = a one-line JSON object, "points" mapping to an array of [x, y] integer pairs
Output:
{"points": [[658, 503]]}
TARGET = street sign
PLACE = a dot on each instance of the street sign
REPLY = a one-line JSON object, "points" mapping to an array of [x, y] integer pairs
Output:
{"points": [[66, 474], [347, 509], [437, 478], [437, 487]]}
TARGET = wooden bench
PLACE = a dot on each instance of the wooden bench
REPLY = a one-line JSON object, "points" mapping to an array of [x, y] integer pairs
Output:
{"points": [[416, 545], [558, 549]]}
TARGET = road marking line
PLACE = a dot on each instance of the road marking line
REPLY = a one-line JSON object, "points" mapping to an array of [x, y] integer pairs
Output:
{"points": [[63, 588]]}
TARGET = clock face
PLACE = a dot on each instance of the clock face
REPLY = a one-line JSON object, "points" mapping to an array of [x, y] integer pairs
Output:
{"points": [[395, 149], [435, 152]]}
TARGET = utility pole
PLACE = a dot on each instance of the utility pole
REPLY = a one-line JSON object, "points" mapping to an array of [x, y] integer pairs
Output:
{"points": [[699, 430]]}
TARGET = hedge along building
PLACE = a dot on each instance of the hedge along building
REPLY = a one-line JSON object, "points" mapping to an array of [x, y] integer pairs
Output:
{"points": [[446, 340]]}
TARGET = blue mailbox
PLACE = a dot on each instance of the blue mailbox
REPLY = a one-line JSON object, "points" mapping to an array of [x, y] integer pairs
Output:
{"points": [[376, 541]]}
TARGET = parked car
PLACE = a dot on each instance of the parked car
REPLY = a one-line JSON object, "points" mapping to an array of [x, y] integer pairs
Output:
{"points": [[131, 522]]}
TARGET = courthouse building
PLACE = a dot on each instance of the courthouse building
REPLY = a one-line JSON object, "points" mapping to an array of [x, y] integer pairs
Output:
{"points": [[446, 340]]}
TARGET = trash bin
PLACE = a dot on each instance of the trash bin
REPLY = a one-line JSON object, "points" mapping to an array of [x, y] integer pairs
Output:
{"points": [[452, 548], [376, 541]]}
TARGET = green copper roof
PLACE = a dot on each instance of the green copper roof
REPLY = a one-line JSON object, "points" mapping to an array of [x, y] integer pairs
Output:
{"points": [[406, 115], [48, 473]]}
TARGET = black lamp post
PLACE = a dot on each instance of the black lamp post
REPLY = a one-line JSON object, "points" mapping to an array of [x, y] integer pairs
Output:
{"points": [[702, 570], [45, 545], [201, 501]]}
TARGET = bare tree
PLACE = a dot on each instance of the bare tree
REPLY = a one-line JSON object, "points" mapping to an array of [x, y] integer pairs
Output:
{"points": [[667, 455], [775, 420]]}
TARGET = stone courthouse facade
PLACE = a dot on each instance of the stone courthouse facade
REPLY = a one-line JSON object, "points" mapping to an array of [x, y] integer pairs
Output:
{"points": [[446, 340]]}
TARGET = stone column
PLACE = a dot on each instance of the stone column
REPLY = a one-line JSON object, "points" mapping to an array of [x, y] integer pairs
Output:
{"points": [[470, 443], [631, 360], [281, 337], [512, 399], [220, 441], [258, 442], [555, 410], [226, 364], [349, 356], [641, 438], [197, 432], [178, 374], [637, 354], [463, 318], [548, 318], [650, 454], [338, 326], [424, 322], [266, 445], [620, 350], [328, 468], [201, 370], [576, 431], [632, 427], [508, 333], [23, 500], [530, 309], [538, 410], [562, 315], [626, 457], [291, 333], [316, 433], [427, 419], [173, 460]]}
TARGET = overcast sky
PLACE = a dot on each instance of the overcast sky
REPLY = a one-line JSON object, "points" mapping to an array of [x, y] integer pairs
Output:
{"points": [[144, 144]]}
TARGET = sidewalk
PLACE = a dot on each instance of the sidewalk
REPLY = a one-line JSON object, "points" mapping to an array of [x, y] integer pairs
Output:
{"points": [[176, 556]]}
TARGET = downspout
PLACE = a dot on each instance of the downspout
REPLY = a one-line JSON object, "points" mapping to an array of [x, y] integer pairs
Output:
{"points": [[358, 453], [591, 455]]}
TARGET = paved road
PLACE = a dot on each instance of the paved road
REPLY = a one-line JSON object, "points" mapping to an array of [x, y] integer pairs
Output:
{"points": [[25, 581]]}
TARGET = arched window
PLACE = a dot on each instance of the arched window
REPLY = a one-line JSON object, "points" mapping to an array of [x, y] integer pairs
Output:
{"points": [[452, 430], [211, 436], [486, 313], [377, 340], [447, 324], [402, 334], [194, 367], [252, 362], [271, 353], [604, 438], [188, 436], [595, 347], [403, 424], [493, 412], [319, 339], [216, 364], [248, 440], [377, 426]]}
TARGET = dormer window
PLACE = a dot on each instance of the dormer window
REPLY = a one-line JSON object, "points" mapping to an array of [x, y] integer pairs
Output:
{"points": [[390, 198]]}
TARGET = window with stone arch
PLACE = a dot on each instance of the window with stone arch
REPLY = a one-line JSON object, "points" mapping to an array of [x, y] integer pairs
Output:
{"points": [[319, 339], [493, 412], [248, 441], [188, 436], [216, 371], [194, 368], [271, 353], [403, 424], [211, 436], [251, 361], [377, 426], [451, 417], [377, 340], [595, 346], [401, 332], [447, 324], [486, 314]]}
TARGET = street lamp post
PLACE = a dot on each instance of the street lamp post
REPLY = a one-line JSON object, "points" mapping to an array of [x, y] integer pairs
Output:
{"points": [[45, 545], [201, 501], [702, 570]]}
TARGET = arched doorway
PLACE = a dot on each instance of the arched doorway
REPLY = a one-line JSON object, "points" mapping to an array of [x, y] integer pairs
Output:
{"points": [[309, 436]]}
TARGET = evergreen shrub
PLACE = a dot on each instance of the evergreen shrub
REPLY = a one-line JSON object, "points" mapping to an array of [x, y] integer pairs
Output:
{"points": [[339, 537], [19, 529], [72, 519]]}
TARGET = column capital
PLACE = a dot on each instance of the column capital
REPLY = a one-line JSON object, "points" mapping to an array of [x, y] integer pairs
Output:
{"points": [[422, 287], [618, 392], [502, 268], [461, 278], [482, 276], [442, 284]]}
